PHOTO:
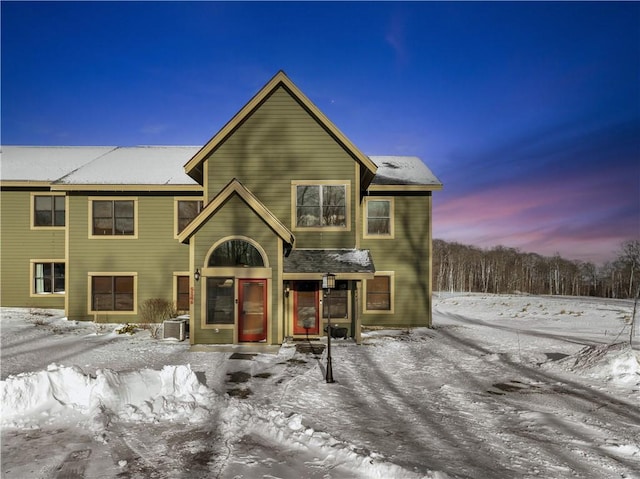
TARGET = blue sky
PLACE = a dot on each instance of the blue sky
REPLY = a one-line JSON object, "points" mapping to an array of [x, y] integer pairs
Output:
{"points": [[528, 112]]}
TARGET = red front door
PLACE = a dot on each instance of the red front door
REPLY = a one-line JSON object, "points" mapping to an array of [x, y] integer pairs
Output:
{"points": [[252, 324], [306, 317]]}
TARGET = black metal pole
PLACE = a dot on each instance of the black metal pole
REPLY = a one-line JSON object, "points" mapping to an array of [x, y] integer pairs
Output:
{"points": [[329, 375]]}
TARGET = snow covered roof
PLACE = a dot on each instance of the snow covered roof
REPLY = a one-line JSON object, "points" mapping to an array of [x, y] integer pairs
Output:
{"points": [[96, 165], [338, 261], [140, 165], [156, 165], [403, 170], [46, 163]]}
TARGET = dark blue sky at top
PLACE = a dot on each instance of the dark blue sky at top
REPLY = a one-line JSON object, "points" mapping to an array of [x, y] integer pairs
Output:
{"points": [[528, 112]]}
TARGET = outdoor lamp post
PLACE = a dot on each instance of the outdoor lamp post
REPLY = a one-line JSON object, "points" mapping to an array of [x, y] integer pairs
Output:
{"points": [[328, 283]]}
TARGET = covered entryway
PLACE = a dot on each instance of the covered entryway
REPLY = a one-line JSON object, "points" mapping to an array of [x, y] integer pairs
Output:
{"points": [[307, 308]]}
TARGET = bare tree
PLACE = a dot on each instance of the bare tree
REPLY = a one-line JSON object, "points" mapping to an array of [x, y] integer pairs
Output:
{"points": [[458, 267]]}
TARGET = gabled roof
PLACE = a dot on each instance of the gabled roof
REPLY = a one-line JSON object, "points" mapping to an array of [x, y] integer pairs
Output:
{"points": [[235, 187], [193, 166], [403, 173]]}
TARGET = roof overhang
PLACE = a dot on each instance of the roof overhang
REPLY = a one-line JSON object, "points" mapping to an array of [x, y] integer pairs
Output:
{"points": [[124, 187], [405, 188], [24, 184], [313, 264]]}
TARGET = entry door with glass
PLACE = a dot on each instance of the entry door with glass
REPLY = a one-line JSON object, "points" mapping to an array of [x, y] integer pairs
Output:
{"points": [[252, 311], [306, 317]]}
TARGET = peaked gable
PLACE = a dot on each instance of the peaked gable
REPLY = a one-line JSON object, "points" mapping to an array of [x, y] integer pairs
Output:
{"points": [[194, 166], [235, 187]]}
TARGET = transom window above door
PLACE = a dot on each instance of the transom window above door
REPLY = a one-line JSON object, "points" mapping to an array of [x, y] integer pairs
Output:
{"points": [[321, 206], [236, 253]]}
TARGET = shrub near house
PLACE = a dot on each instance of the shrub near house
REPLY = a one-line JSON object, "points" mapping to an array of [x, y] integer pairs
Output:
{"points": [[237, 233]]}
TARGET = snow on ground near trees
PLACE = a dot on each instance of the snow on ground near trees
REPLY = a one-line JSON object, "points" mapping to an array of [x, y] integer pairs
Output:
{"points": [[501, 387]]}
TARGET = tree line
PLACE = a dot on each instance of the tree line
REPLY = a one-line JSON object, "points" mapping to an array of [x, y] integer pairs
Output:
{"points": [[499, 270]]}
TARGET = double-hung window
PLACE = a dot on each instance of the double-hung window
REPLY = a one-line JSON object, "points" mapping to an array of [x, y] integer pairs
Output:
{"points": [[115, 217], [48, 277], [49, 210], [321, 206], [378, 218], [113, 293]]}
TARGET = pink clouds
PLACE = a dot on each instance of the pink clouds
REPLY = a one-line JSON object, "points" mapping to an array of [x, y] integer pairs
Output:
{"points": [[581, 218]]}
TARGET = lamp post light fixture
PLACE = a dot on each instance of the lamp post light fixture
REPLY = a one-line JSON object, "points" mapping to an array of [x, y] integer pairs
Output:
{"points": [[196, 275], [328, 283]]}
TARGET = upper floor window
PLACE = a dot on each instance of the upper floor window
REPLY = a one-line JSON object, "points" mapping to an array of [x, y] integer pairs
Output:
{"points": [[48, 278], [321, 206], [378, 218], [187, 210], [49, 210], [113, 217]]}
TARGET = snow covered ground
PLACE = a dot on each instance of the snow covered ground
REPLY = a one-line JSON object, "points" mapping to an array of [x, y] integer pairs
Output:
{"points": [[502, 387]]}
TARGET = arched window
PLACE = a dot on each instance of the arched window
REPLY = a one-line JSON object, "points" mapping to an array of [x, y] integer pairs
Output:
{"points": [[236, 253]]}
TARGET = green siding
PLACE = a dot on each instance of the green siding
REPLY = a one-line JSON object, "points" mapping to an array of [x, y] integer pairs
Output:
{"points": [[408, 256], [154, 255], [278, 143], [235, 218], [19, 245]]}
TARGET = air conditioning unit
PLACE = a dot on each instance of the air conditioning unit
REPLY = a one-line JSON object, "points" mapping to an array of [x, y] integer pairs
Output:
{"points": [[174, 329]]}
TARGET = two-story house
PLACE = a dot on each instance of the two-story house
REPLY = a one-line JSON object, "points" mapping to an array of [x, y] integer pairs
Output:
{"points": [[239, 232]]}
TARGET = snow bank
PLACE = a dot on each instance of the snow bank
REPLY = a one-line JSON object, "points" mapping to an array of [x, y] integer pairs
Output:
{"points": [[174, 393], [613, 362], [288, 429]]}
